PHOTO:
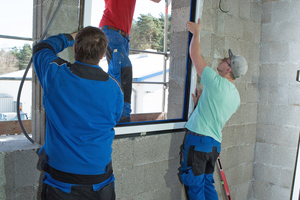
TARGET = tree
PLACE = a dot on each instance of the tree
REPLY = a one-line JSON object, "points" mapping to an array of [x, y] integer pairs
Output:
{"points": [[8, 62], [147, 33], [23, 55]]}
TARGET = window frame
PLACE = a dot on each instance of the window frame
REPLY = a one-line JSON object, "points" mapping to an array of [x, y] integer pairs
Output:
{"points": [[161, 126]]}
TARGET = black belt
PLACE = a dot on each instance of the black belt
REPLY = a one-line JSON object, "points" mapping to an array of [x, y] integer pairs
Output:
{"points": [[196, 134], [123, 33]]}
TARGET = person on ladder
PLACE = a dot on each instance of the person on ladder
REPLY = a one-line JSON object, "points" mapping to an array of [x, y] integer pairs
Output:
{"points": [[116, 24], [214, 106]]}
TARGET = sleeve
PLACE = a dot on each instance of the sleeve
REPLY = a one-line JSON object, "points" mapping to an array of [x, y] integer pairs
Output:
{"points": [[210, 77], [45, 52]]}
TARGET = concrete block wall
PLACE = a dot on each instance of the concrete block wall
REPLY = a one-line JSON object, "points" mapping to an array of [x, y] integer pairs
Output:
{"points": [[147, 167], [278, 109], [144, 167]]}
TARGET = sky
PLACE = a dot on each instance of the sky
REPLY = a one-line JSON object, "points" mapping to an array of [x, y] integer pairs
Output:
{"points": [[16, 17]]}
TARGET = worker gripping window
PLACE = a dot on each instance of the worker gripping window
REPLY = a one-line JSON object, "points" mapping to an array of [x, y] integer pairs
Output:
{"points": [[215, 105], [83, 104]]}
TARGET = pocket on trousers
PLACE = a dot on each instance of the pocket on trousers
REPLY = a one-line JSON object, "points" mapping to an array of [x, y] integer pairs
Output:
{"points": [[199, 162], [107, 192]]}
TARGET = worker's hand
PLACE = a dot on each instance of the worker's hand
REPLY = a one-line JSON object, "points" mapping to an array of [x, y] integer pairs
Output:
{"points": [[74, 35], [193, 27], [196, 96], [156, 1]]}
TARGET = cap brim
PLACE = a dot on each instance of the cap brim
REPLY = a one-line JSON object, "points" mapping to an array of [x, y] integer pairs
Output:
{"points": [[230, 54]]}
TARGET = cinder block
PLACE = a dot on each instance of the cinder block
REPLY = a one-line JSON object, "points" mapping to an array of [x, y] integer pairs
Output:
{"points": [[279, 52], [244, 51], [2, 170], [257, 33], [248, 92], [219, 23], [228, 137], [294, 9], [180, 17], [217, 44], [230, 43], [176, 141], [23, 193], [239, 135], [261, 190], [294, 94], [254, 52], [286, 115], [180, 47], [205, 43], [248, 29], [288, 75], [248, 172], [265, 18], [233, 27], [207, 19], [180, 4], [249, 113], [284, 156], [278, 94], [255, 11], [155, 175], [246, 153], [286, 178], [277, 135], [123, 154], [294, 55], [234, 7], [268, 31], [234, 175], [280, 11], [268, 74], [152, 149], [244, 10], [279, 193], [26, 172], [132, 181], [265, 53], [243, 191], [264, 153], [250, 133], [230, 157]]}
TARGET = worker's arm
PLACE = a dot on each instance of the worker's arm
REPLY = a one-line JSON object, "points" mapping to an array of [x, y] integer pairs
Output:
{"points": [[46, 51], [156, 1], [195, 50]]}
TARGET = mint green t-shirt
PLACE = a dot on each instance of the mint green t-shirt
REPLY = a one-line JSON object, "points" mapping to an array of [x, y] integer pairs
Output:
{"points": [[218, 101]]}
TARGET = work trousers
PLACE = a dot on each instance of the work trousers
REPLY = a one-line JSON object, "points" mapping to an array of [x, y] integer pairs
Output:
{"points": [[198, 156], [65, 191], [119, 65]]}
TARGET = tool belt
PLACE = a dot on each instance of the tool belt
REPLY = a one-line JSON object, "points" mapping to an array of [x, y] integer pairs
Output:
{"points": [[123, 33]]}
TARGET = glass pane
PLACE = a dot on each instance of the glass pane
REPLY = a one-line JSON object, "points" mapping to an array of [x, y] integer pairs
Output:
{"points": [[149, 92], [14, 58]]}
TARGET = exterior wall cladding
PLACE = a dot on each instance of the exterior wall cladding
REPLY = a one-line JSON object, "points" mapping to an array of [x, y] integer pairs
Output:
{"points": [[259, 141]]}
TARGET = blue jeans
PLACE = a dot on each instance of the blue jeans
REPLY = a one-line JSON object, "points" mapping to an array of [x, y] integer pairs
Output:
{"points": [[198, 156], [119, 65]]}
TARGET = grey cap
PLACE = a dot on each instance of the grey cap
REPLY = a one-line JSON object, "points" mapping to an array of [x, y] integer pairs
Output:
{"points": [[238, 65]]}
